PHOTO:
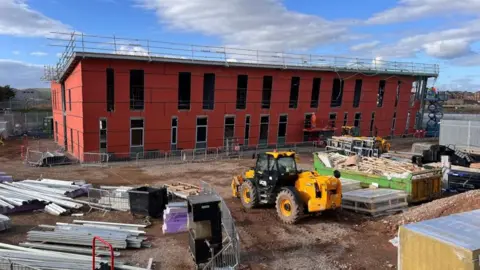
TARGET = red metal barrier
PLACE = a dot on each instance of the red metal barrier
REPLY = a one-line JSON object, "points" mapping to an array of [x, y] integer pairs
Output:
{"points": [[95, 238]]}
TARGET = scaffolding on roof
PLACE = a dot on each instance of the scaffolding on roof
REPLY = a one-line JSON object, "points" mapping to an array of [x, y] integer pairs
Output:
{"points": [[79, 45]]}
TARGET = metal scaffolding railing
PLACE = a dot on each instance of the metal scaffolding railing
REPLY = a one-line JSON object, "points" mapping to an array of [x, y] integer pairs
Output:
{"points": [[81, 44]]}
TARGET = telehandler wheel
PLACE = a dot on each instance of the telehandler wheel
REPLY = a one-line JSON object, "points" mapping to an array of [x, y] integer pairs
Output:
{"points": [[288, 204], [248, 194]]}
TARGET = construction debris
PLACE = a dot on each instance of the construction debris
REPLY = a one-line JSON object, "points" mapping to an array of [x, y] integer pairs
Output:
{"points": [[5, 223], [119, 235], [183, 190], [376, 166], [175, 218], [383, 173], [43, 258], [48, 159]]}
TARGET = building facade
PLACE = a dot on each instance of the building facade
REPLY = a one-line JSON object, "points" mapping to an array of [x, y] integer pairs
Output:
{"points": [[123, 104]]}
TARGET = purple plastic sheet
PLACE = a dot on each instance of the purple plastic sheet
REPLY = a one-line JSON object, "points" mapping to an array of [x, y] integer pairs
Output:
{"points": [[6, 178]]}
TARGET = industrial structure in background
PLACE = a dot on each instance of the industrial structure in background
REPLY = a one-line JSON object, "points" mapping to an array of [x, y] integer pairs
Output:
{"points": [[112, 95]]}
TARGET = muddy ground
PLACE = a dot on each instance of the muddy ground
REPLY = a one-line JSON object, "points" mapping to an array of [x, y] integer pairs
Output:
{"points": [[338, 240]]}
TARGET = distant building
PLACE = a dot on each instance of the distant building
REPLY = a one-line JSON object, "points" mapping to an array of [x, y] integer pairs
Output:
{"points": [[124, 103]]}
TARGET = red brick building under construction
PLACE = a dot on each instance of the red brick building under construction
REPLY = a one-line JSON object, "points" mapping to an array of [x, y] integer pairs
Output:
{"points": [[150, 96]]}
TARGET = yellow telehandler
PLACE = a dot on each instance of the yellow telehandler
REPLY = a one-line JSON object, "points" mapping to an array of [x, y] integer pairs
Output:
{"points": [[276, 180]]}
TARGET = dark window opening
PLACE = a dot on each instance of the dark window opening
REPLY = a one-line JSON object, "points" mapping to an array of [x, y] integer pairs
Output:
{"points": [[358, 93], [315, 93], [70, 99], [229, 129], [397, 95], [263, 139], [394, 120], [103, 130], [337, 93], [71, 140], [174, 130], [110, 90], [242, 84], [282, 126], [267, 91], [64, 104], [201, 137], [345, 119], [56, 131], [137, 93], [208, 91], [136, 132], [247, 130], [294, 88], [332, 118], [381, 92], [372, 124], [307, 123], [356, 122], [184, 90]]}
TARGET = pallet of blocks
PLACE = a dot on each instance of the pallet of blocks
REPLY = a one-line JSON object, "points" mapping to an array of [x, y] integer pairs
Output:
{"points": [[5, 223], [175, 218], [375, 201]]}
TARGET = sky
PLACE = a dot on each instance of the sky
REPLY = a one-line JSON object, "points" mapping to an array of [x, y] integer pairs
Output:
{"points": [[442, 32]]}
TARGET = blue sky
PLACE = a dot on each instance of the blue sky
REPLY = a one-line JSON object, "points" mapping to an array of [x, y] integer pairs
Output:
{"points": [[443, 32]]}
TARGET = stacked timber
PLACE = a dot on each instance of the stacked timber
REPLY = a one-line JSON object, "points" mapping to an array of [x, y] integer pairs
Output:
{"points": [[175, 218], [370, 165], [5, 223]]}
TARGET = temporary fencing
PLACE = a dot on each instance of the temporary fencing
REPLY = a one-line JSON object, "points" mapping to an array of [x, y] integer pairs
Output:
{"points": [[229, 256], [157, 157]]}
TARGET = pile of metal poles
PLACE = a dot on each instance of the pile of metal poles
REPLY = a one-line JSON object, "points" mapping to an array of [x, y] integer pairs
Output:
{"points": [[119, 235], [39, 258]]}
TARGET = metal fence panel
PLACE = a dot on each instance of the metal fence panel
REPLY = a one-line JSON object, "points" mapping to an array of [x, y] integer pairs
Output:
{"points": [[112, 199], [461, 134], [8, 264], [229, 256], [158, 157], [95, 159]]}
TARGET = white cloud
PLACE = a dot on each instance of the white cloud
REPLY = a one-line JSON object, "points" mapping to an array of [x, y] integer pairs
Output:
{"points": [[20, 75], [38, 53], [409, 10], [58, 55], [18, 19], [16, 52], [448, 49], [365, 46], [445, 44], [265, 24], [132, 50]]}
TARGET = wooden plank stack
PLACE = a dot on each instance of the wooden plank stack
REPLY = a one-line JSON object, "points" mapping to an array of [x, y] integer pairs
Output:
{"points": [[372, 165]]}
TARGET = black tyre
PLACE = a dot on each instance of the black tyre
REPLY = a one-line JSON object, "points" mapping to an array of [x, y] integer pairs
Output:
{"points": [[248, 194], [289, 206]]}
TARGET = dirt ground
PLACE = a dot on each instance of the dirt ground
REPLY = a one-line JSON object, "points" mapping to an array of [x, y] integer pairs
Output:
{"points": [[336, 240]]}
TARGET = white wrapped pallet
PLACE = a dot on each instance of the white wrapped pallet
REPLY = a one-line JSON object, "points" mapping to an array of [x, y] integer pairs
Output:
{"points": [[5, 223]]}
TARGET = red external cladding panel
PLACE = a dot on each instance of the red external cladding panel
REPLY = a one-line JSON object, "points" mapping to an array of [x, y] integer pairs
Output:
{"points": [[87, 87]]}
